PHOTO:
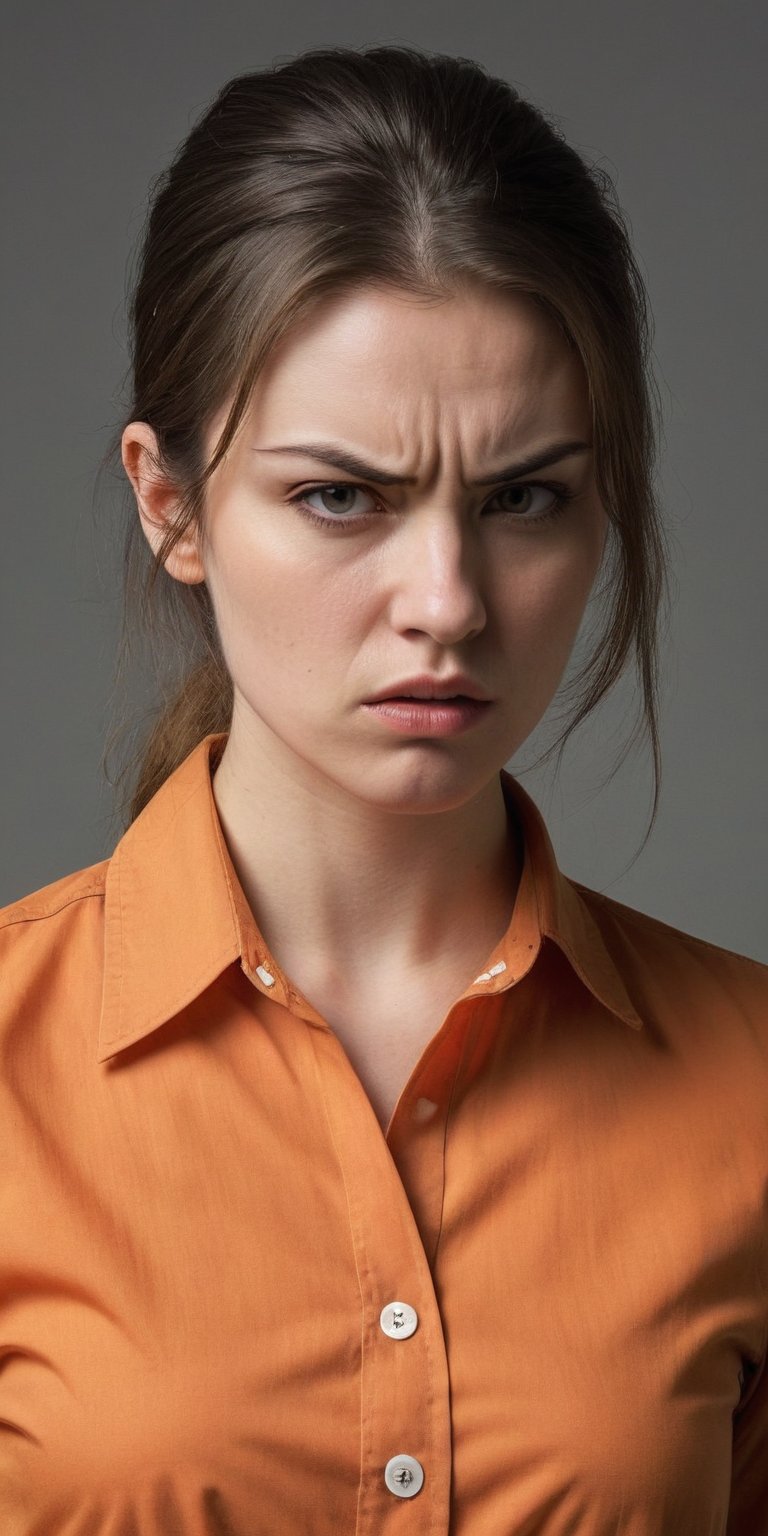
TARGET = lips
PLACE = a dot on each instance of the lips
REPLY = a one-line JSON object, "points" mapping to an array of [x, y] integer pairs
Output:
{"points": [[434, 690]]}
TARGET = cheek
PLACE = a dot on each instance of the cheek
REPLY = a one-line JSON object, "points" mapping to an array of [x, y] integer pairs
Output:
{"points": [[541, 598], [278, 619]]}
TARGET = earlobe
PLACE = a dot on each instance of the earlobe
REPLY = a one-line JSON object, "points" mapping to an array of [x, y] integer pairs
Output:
{"points": [[183, 562], [157, 502]]}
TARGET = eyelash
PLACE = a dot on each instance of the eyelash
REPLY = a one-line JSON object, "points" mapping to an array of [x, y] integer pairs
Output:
{"points": [[563, 495]]}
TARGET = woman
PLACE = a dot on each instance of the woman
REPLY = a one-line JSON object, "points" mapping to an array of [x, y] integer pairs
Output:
{"points": [[361, 1171]]}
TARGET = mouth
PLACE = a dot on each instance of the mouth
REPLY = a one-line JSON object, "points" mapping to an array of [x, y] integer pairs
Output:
{"points": [[434, 690], [423, 716]]}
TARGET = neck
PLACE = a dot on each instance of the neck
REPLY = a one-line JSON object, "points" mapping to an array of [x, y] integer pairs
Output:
{"points": [[355, 885]]}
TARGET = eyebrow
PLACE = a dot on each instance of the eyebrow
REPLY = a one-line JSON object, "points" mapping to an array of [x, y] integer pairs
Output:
{"points": [[341, 458]]}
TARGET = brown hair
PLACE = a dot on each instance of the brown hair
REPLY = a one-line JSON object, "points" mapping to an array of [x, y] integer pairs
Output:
{"points": [[392, 167]]}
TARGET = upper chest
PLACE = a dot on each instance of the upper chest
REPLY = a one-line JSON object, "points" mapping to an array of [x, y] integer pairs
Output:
{"points": [[384, 1040]]}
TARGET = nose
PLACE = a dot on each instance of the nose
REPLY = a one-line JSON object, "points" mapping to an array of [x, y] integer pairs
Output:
{"points": [[438, 585]]}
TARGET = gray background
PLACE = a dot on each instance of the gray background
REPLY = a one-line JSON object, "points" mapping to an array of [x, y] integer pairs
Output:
{"points": [[671, 99]]}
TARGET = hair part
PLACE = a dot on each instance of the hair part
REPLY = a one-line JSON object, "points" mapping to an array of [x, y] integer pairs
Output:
{"points": [[392, 168]]}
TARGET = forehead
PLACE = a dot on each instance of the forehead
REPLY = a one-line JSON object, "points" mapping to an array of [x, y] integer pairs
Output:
{"points": [[387, 331], [480, 362]]}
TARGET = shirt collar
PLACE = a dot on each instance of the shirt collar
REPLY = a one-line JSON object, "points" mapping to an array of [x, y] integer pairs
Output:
{"points": [[176, 915]]}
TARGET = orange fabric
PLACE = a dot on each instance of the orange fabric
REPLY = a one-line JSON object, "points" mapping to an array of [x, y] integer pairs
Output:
{"points": [[201, 1221]]}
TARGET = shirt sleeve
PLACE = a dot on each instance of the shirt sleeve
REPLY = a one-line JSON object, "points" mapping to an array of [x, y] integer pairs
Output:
{"points": [[748, 1511]]}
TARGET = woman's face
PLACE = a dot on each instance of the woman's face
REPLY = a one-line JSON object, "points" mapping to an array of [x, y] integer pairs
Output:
{"points": [[412, 565]]}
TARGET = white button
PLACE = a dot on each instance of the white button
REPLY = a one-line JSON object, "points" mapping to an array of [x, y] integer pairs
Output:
{"points": [[424, 1109], [404, 1476], [267, 978], [398, 1320], [495, 970]]}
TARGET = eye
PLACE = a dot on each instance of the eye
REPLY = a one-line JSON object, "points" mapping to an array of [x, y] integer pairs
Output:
{"points": [[339, 507], [518, 499], [337, 500]]}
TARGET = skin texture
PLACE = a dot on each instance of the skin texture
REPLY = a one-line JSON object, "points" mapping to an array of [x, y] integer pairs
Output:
{"points": [[366, 854]]}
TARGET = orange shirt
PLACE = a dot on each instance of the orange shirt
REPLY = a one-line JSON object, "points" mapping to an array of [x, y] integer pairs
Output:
{"points": [[230, 1305]]}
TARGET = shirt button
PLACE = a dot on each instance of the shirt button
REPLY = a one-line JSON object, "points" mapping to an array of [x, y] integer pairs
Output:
{"points": [[424, 1109], [404, 1476], [398, 1320]]}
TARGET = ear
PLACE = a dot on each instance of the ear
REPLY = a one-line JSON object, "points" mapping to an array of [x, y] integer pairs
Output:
{"points": [[157, 499]]}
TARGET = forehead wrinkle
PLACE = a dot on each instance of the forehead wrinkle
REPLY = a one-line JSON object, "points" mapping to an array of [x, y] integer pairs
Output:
{"points": [[521, 452], [413, 423], [473, 442]]}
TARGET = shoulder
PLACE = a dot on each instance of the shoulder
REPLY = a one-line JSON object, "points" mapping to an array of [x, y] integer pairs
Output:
{"points": [[647, 930], [44, 934], [50, 901], [675, 966]]}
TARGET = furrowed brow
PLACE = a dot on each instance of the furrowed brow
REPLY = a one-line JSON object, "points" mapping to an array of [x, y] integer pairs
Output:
{"points": [[341, 458]]}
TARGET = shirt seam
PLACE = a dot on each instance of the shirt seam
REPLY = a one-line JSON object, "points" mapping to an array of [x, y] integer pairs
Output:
{"points": [[37, 917]]}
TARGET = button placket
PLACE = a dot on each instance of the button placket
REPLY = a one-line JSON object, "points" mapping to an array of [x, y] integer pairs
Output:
{"points": [[405, 1387]]}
